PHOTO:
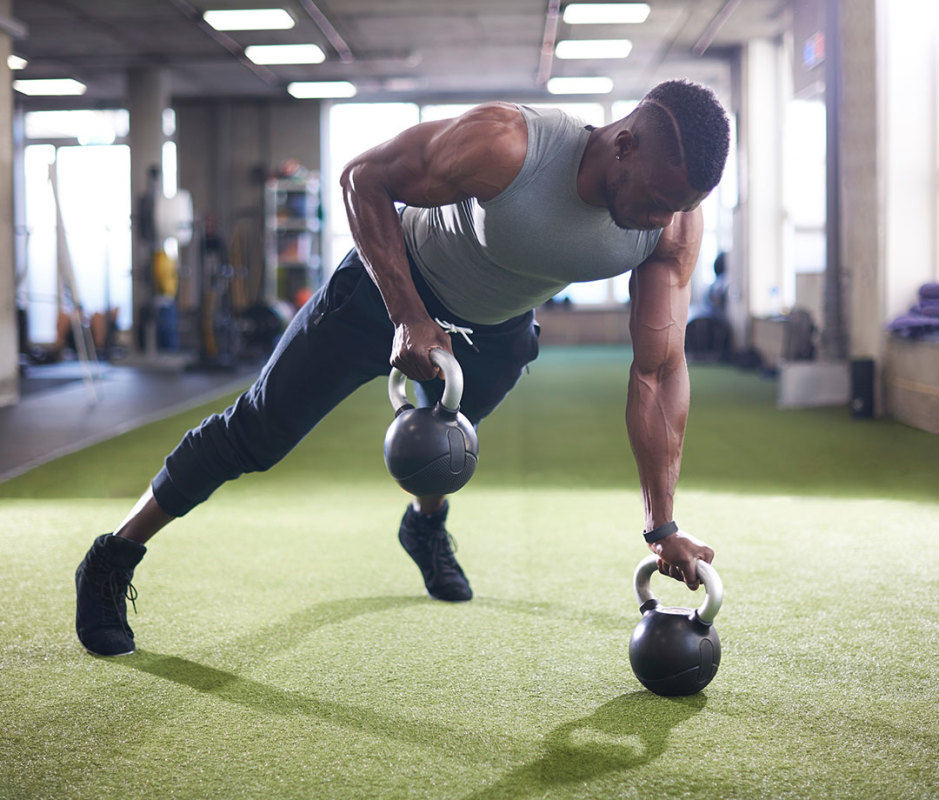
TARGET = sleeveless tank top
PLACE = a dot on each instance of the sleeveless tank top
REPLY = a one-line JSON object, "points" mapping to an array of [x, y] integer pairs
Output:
{"points": [[490, 261]]}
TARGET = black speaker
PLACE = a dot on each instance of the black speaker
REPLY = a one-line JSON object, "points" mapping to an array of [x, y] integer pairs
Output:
{"points": [[862, 388]]}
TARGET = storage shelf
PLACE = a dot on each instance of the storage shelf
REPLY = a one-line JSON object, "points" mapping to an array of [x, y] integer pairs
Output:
{"points": [[292, 238]]}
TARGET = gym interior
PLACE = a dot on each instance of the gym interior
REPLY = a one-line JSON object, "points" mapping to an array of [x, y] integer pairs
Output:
{"points": [[172, 199]]}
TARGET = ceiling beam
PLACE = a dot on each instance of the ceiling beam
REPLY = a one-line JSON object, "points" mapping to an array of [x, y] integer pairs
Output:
{"points": [[548, 41], [234, 49], [713, 28], [331, 34]]}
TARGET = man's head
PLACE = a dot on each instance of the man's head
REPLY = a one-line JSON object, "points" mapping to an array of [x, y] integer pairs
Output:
{"points": [[671, 152], [693, 128]]}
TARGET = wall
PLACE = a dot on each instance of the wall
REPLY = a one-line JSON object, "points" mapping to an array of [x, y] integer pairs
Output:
{"points": [[585, 325], [909, 114], [888, 150]]}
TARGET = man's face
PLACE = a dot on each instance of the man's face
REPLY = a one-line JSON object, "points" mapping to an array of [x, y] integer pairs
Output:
{"points": [[646, 191]]}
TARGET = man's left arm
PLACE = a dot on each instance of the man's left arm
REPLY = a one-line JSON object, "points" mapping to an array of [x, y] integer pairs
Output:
{"points": [[659, 390]]}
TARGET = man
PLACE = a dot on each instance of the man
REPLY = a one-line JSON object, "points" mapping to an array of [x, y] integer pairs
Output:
{"points": [[503, 207]]}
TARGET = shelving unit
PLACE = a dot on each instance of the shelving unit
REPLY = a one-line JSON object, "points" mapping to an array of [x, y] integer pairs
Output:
{"points": [[293, 226]]}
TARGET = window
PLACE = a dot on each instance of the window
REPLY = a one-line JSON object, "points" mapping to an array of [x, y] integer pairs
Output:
{"points": [[94, 195], [87, 126], [352, 129], [804, 198]]}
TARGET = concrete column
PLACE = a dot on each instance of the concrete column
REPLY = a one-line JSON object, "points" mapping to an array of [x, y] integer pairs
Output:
{"points": [[9, 350], [861, 154], [834, 337], [148, 96], [738, 284]]}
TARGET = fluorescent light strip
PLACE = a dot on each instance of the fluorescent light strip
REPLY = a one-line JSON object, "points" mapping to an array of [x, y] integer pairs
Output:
{"points": [[249, 19], [605, 13], [15, 62], [591, 85], [285, 54], [593, 48], [307, 90], [50, 87]]}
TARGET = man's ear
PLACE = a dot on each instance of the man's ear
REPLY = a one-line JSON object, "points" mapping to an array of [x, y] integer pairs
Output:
{"points": [[626, 142]]}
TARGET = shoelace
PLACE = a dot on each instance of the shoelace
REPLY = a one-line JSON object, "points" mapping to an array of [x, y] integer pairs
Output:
{"points": [[117, 585], [442, 548], [450, 328], [130, 593]]}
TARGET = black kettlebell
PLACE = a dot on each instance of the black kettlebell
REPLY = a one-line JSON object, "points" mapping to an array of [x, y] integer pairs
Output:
{"points": [[675, 651], [431, 451]]}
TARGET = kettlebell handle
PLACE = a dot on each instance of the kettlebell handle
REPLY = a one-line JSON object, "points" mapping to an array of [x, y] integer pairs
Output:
{"points": [[452, 374], [708, 575]]}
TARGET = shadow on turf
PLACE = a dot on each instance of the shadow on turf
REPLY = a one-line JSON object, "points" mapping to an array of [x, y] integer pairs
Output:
{"points": [[231, 687], [620, 735], [625, 733]]}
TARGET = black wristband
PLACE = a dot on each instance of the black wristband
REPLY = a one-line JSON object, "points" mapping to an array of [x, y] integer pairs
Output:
{"points": [[661, 532]]}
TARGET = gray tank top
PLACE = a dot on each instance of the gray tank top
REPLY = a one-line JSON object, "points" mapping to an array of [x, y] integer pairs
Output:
{"points": [[490, 261]]}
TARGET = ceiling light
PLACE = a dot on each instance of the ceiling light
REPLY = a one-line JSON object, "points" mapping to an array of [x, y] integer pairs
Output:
{"points": [[401, 84], [605, 13], [15, 62], [249, 19], [593, 48], [593, 85], [50, 86], [285, 54], [305, 90]]}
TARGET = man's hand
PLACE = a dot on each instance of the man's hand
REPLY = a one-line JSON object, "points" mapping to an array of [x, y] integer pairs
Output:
{"points": [[677, 555], [413, 342]]}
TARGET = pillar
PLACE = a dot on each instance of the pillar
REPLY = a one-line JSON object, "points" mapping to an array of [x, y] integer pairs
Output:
{"points": [[148, 96], [9, 340]]}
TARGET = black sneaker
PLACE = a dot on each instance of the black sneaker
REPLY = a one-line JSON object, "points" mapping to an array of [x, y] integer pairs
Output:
{"points": [[425, 538], [102, 585]]}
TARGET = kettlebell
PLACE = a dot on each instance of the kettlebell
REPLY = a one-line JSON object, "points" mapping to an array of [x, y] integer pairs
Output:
{"points": [[431, 451], [675, 651]]}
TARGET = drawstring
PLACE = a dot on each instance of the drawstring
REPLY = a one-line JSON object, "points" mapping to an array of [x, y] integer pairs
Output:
{"points": [[450, 328]]}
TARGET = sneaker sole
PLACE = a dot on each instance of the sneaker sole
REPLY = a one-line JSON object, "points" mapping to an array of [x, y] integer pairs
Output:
{"points": [[110, 655], [449, 599]]}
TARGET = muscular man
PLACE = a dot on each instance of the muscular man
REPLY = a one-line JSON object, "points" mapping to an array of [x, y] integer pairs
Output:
{"points": [[503, 207]]}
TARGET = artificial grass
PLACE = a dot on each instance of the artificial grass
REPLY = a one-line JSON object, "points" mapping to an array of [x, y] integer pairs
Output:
{"points": [[286, 648]]}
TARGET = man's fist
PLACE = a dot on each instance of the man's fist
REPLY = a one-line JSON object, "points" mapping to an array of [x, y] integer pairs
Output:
{"points": [[677, 554]]}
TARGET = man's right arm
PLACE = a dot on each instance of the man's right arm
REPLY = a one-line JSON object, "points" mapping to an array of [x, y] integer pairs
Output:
{"points": [[658, 398], [431, 164]]}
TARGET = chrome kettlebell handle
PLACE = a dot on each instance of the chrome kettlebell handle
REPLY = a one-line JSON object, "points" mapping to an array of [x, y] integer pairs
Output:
{"points": [[452, 375], [713, 586]]}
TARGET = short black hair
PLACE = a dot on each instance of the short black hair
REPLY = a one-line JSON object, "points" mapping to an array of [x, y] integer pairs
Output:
{"points": [[703, 129]]}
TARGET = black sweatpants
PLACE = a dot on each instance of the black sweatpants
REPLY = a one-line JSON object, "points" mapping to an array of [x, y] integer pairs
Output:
{"points": [[339, 340]]}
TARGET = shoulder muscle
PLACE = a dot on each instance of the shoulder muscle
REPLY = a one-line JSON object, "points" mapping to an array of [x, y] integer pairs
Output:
{"points": [[434, 163]]}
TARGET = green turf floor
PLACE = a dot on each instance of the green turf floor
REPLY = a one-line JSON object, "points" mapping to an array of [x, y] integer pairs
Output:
{"points": [[287, 650]]}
